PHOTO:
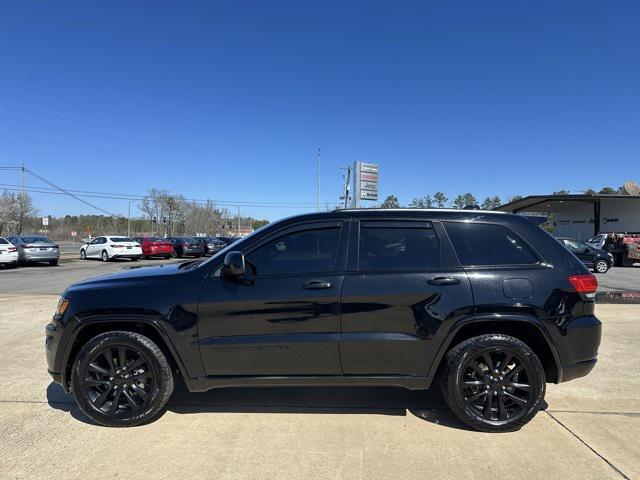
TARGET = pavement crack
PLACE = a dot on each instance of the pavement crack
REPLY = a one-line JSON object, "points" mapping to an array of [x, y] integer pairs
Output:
{"points": [[602, 457]]}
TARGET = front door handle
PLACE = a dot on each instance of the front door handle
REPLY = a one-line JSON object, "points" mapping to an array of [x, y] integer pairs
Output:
{"points": [[443, 281], [316, 285]]}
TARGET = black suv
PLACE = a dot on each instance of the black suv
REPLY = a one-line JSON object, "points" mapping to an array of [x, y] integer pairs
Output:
{"points": [[486, 305]]}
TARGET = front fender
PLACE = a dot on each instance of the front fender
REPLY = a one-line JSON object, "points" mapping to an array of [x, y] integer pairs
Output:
{"points": [[188, 366]]}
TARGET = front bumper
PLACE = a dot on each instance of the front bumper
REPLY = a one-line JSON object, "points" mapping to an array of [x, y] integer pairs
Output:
{"points": [[579, 348], [51, 343]]}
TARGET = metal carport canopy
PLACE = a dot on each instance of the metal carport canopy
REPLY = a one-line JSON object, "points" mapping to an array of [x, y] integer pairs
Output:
{"points": [[556, 203]]}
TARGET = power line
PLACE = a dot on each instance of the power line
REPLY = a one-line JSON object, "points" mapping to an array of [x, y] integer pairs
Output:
{"points": [[80, 194]]}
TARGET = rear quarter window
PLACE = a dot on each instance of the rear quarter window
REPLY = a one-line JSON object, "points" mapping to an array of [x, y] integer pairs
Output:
{"points": [[478, 244]]}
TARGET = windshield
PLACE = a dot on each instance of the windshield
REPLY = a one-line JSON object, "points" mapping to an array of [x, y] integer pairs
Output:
{"points": [[575, 245]]}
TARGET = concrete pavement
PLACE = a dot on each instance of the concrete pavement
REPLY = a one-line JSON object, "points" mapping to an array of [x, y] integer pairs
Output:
{"points": [[589, 430]]}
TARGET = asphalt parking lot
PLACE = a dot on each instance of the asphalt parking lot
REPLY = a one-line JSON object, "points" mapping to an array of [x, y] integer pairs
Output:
{"points": [[589, 430]]}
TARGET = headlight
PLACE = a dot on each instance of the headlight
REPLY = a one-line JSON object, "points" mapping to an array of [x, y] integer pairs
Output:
{"points": [[63, 303]]}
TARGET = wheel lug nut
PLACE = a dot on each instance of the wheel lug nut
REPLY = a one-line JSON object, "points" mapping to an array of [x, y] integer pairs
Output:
{"points": [[111, 378], [487, 387], [504, 388]]}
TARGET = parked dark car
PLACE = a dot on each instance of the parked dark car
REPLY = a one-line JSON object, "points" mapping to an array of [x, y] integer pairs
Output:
{"points": [[598, 260], [210, 245], [155, 247], [186, 246], [35, 248], [228, 240], [485, 305]]}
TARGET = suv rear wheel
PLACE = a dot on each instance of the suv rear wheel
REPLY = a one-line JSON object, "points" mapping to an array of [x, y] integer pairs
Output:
{"points": [[121, 379], [493, 383]]}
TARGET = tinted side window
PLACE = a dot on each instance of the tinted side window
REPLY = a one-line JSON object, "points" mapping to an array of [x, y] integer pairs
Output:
{"points": [[384, 247], [485, 244], [299, 252], [3, 241]]}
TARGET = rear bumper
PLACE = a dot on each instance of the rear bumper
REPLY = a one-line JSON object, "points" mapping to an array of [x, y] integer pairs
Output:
{"points": [[40, 256], [8, 258], [160, 251], [579, 350]]}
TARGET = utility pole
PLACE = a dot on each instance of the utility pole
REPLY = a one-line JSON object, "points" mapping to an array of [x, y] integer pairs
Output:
{"points": [[129, 220], [22, 177], [347, 185], [238, 221], [318, 188]]}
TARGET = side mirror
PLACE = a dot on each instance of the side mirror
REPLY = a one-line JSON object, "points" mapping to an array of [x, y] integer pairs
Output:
{"points": [[234, 264]]}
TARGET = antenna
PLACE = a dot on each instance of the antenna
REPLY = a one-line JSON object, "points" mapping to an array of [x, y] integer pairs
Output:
{"points": [[632, 188]]}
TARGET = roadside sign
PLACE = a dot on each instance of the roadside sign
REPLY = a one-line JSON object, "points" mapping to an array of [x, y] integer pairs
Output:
{"points": [[365, 182], [371, 186], [45, 221], [74, 233]]}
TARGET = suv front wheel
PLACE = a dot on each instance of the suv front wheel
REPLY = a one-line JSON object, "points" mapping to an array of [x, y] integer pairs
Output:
{"points": [[493, 383], [121, 379]]}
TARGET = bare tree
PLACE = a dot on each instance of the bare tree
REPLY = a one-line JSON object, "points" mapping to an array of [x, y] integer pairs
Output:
{"points": [[25, 210]]}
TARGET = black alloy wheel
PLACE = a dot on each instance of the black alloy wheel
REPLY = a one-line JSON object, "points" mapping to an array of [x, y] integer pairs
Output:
{"points": [[494, 383], [121, 379]]}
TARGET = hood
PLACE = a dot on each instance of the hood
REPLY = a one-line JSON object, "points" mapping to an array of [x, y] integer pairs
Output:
{"points": [[129, 277]]}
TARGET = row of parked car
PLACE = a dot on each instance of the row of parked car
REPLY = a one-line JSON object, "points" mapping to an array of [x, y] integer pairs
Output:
{"points": [[28, 248], [110, 247], [24, 249]]}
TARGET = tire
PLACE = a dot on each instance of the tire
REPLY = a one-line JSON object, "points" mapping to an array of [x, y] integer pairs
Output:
{"points": [[105, 256], [53, 263], [109, 383], [83, 254], [134, 259], [488, 401], [174, 254], [601, 266]]}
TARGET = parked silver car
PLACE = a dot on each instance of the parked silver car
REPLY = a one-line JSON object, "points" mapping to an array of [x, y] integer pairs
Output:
{"points": [[35, 248]]}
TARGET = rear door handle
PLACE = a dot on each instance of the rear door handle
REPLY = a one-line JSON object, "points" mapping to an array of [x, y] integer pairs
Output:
{"points": [[443, 281], [316, 285]]}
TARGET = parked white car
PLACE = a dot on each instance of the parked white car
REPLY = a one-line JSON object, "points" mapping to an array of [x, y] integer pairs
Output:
{"points": [[8, 253], [107, 248]]}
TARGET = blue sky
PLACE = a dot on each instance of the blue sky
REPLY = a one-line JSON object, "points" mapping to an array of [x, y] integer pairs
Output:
{"points": [[230, 100]]}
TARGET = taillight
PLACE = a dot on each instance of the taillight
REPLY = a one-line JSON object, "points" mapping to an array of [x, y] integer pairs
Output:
{"points": [[12, 249], [584, 283], [117, 246]]}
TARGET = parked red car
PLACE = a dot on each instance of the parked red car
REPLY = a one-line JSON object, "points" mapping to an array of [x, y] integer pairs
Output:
{"points": [[155, 247]]}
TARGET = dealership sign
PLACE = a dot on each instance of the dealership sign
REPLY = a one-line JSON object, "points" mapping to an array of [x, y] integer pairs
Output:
{"points": [[366, 181]]}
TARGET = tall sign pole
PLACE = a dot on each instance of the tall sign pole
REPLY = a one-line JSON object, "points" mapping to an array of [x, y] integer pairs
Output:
{"points": [[318, 186]]}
